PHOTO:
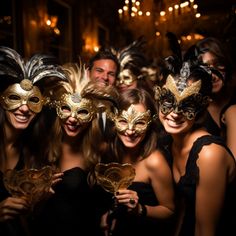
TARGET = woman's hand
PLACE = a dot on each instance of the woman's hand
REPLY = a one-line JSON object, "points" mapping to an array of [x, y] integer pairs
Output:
{"points": [[12, 207], [107, 225], [57, 177], [127, 197]]}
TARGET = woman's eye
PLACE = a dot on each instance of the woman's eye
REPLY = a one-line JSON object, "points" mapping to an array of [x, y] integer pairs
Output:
{"points": [[34, 99], [141, 123], [126, 77], [83, 112], [167, 100], [189, 105], [167, 103], [14, 97], [65, 109], [122, 122], [189, 110]]}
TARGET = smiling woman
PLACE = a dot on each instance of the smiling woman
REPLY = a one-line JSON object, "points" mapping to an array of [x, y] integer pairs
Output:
{"points": [[21, 102], [147, 205], [73, 148], [205, 196]]}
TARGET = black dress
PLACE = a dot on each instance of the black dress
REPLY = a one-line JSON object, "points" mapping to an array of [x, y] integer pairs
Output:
{"points": [[69, 210], [222, 123], [132, 224], [186, 191], [211, 126], [17, 226]]}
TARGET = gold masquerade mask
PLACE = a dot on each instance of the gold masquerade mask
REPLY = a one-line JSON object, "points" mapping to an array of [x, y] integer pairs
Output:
{"points": [[126, 77], [23, 93], [31, 184], [114, 176], [133, 120], [26, 77], [131, 58], [73, 105], [79, 97], [188, 101]]}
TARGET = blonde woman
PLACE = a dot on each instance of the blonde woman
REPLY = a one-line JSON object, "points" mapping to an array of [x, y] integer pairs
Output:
{"points": [[73, 149]]}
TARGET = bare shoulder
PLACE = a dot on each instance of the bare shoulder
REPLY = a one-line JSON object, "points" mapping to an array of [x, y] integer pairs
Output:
{"points": [[215, 155], [156, 160], [215, 162], [230, 113], [231, 109]]}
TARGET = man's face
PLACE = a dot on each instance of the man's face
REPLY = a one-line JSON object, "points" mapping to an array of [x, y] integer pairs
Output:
{"points": [[104, 71]]}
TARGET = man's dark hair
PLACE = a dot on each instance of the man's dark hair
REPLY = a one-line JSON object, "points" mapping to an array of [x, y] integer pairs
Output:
{"points": [[105, 53]]}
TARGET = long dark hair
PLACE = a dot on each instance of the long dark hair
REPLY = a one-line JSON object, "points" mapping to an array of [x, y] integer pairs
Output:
{"points": [[136, 96], [219, 50]]}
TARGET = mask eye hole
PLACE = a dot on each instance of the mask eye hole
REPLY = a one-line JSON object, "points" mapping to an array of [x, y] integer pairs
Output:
{"points": [[14, 97], [65, 108], [122, 122], [34, 99], [83, 112], [167, 102], [140, 123]]}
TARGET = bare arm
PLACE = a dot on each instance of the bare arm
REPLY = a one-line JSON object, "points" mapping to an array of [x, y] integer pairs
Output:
{"points": [[157, 171], [162, 183], [230, 117], [210, 191]]}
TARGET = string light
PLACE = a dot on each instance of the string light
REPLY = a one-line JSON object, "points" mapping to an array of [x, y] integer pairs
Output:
{"points": [[132, 9]]}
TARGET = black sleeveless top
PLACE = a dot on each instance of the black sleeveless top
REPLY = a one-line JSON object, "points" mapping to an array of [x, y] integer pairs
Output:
{"points": [[131, 224], [186, 191], [68, 211], [222, 124], [13, 227], [211, 126]]}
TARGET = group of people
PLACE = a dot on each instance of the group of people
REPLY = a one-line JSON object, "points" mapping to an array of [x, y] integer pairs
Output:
{"points": [[72, 117]]}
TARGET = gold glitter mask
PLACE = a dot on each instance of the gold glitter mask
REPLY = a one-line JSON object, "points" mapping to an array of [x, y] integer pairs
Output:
{"points": [[188, 102], [126, 77], [23, 93], [114, 176], [73, 105], [133, 120], [32, 185]]}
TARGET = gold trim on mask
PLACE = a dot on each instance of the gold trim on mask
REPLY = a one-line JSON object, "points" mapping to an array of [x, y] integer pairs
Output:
{"points": [[126, 77], [133, 120], [194, 88], [189, 102], [26, 84], [23, 93], [72, 105]]}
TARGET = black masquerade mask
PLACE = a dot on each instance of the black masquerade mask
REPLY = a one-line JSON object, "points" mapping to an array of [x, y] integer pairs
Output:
{"points": [[181, 97]]}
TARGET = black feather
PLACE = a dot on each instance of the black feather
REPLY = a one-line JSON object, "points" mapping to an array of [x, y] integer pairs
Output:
{"points": [[133, 54], [39, 68]]}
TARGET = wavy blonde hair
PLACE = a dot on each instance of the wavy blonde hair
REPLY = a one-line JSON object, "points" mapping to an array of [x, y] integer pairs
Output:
{"points": [[104, 98]]}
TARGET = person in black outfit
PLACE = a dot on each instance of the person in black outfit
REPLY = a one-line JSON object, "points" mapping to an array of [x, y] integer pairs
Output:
{"points": [[222, 110], [21, 102], [73, 149], [203, 167], [147, 206]]}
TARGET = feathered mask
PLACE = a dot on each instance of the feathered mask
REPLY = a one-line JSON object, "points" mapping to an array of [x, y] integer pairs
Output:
{"points": [[131, 59], [79, 97], [183, 95], [23, 81]]}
